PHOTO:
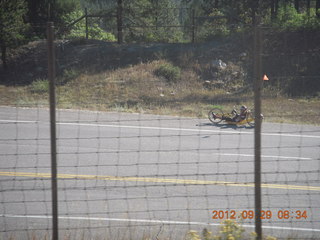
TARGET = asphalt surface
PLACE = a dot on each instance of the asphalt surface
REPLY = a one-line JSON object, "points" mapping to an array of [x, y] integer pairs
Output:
{"points": [[133, 176]]}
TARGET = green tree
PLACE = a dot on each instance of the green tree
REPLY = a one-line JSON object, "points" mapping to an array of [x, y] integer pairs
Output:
{"points": [[274, 6], [289, 18], [157, 21], [12, 25], [142, 20], [78, 29], [41, 11]]}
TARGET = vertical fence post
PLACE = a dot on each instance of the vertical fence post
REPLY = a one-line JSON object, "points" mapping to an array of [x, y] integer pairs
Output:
{"points": [[120, 21], [86, 20], [193, 25], [257, 78], [51, 77]]}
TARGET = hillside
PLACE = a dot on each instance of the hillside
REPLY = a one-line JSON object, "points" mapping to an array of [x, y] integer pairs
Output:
{"points": [[106, 76], [28, 63]]}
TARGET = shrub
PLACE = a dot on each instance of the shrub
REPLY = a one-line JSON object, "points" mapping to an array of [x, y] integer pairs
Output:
{"points": [[171, 73], [40, 86], [229, 230], [96, 32], [68, 75], [78, 30]]}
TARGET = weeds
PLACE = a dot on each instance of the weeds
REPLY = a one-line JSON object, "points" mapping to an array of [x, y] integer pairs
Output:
{"points": [[68, 75], [40, 86], [229, 230], [171, 73], [141, 88]]}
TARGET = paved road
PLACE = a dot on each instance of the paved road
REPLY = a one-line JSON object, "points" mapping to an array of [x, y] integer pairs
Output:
{"points": [[131, 176]]}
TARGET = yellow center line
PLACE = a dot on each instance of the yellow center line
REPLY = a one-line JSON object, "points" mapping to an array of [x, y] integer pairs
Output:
{"points": [[158, 180]]}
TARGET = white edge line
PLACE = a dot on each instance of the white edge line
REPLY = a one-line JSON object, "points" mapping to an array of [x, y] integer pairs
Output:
{"points": [[18, 121], [152, 128], [166, 128], [263, 156], [152, 221], [186, 129]]}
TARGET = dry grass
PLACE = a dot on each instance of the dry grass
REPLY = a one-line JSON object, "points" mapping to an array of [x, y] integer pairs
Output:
{"points": [[280, 109], [138, 89], [135, 88]]}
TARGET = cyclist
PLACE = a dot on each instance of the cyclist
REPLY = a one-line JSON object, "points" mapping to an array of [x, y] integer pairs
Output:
{"points": [[238, 117]]}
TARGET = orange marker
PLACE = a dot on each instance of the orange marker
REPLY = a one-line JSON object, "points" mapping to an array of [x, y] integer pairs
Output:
{"points": [[265, 78]]}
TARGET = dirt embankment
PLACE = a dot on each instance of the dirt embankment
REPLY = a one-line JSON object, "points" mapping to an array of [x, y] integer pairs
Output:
{"points": [[291, 59], [29, 63]]}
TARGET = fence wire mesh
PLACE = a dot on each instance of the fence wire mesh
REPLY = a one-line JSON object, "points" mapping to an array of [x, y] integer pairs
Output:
{"points": [[138, 157]]}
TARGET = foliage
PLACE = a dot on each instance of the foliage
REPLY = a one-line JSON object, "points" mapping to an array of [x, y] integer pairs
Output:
{"points": [[96, 32], [229, 230], [68, 75], [40, 11], [213, 28], [156, 21], [98, 5], [12, 25], [40, 86], [78, 30], [289, 18], [240, 15], [151, 20], [143, 20], [169, 72], [193, 235]]}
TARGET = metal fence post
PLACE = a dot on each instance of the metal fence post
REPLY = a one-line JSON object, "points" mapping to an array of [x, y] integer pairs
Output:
{"points": [[193, 26], [51, 78], [86, 22], [257, 78]]}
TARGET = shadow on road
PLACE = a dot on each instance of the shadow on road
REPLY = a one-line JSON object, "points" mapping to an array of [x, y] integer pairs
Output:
{"points": [[225, 126]]}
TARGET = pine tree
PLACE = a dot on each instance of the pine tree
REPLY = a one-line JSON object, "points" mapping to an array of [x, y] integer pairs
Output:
{"points": [[12, 25]]}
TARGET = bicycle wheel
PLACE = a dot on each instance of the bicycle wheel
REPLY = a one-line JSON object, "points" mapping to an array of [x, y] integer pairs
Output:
{"points": [[215, 115], [250, 118]]}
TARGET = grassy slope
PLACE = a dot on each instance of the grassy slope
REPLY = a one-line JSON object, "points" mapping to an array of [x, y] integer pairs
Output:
{"points": [[137, 89], [103, 76]]}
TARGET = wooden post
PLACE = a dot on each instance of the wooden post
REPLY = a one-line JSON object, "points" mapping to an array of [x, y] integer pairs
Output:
{"points": [[120, 21], [51, 77], [257, 78], [86, 19], [193, 25]]}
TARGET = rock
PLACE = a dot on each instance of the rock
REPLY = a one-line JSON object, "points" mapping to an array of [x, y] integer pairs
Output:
{"points": [[219, 64], [243, 55]]}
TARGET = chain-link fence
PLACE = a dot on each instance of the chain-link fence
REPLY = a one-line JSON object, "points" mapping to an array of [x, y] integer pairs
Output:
{"points": [[138, 158]]}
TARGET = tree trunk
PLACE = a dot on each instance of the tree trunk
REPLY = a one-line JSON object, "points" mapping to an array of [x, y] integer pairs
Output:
{"points": [[308, 7], [120, 21], [276, 8], [216, 4], [297, 5], [273, 10], [277, 5], [254, 10], [4, 56]]}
